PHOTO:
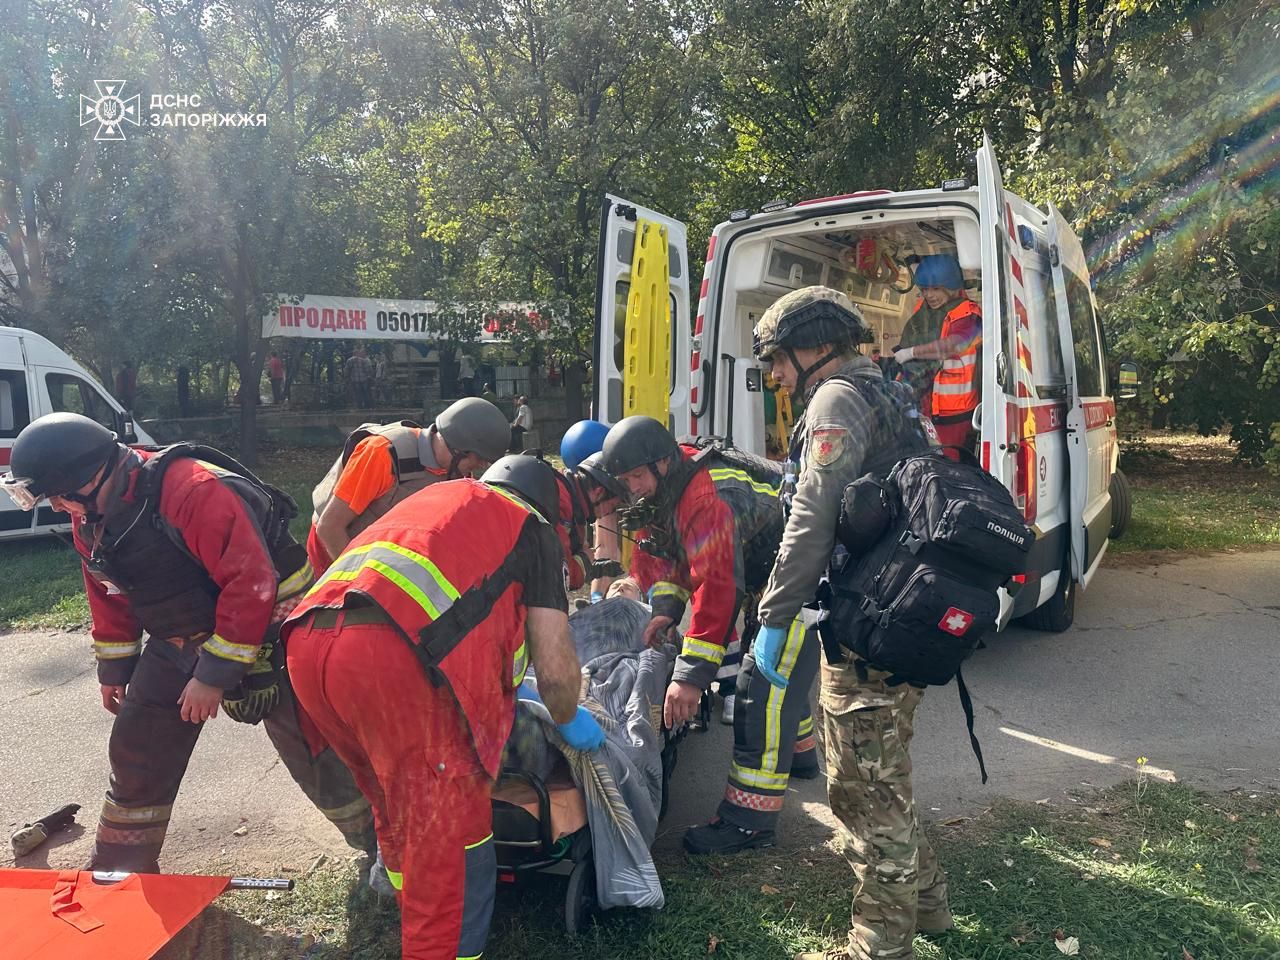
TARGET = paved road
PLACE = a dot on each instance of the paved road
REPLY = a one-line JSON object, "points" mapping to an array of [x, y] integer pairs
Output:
{"points": [[1176, 663]]}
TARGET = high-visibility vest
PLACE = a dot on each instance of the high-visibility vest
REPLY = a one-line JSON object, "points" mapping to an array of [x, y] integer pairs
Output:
{"points": [[956, 385], [439, 564]]}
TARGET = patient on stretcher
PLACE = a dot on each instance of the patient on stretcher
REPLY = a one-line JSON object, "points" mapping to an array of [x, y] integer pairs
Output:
{"points": [[620, 786]]}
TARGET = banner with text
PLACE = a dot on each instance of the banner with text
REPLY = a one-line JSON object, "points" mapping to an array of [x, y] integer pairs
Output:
{"points": [[359, 318]]}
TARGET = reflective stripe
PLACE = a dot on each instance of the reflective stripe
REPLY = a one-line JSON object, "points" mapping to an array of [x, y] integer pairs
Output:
{"points": [[728, 473], [115, 651], [519, 664], [502, 492], [954, 388], [764, 779], [411, 572], [397, 879], [665, 589], [701, 650], [773, 707], [957, 364], [472, 846], [805, 728], [346, 812], [238, 652], [298, 580], [117, 814]]}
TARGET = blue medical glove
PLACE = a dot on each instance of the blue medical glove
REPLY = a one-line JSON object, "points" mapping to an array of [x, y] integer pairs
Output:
{"points": [[596, 596], [768, 651], [582, 732]]}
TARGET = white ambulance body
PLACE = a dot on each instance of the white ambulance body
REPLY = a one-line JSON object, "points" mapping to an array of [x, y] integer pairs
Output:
{"points": [[36, 378], [1047, 415]]}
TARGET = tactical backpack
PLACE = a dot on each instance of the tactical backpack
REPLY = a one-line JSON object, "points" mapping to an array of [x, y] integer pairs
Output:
{"points": [[921, 554]]}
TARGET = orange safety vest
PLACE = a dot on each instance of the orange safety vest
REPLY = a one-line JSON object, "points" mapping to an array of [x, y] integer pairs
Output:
{"points": [[438, 565], [956, 384]]}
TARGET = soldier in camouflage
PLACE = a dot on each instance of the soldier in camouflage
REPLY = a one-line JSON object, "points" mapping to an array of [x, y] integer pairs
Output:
{"points": [[810, 338]]}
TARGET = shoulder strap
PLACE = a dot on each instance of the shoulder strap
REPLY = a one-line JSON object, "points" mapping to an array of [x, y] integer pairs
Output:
{"points": [[966, 702]]}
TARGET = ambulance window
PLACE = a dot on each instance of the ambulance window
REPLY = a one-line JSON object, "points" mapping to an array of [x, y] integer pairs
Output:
{"points": [[627, 250], [69, 394], [1046, 351], [1084, 337], [14, 411]]}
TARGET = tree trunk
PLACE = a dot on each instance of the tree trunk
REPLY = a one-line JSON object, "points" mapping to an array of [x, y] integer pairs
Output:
{"points": [[575, 376]]}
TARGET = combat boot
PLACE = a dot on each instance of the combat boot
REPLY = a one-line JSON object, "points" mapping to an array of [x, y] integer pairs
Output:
{"points": [[721, 836]]}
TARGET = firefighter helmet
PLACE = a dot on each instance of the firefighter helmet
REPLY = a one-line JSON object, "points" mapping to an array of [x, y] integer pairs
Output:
{"points": [[531, 479]]}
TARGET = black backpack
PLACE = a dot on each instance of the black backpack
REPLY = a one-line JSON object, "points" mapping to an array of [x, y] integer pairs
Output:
{"points": [[922, 552]]}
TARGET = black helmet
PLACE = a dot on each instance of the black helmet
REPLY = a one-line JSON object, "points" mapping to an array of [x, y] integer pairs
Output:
{"points": [[591, 471], [474, 425], [56, 455], [809, 317], [533, 480], [634, 442]]}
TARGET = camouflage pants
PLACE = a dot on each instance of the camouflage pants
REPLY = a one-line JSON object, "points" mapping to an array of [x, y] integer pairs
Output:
{"points": [[868, 728]]}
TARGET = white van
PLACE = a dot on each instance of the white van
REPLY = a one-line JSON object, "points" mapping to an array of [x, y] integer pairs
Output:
{"points": [[1047, 416], [36, 378]]}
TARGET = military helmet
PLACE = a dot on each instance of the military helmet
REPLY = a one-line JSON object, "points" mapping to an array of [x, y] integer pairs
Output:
{"points": [[809, 317], [634, 442], [56, 455], [474, 425], [531, 479], [591, 471], [939, 270]]}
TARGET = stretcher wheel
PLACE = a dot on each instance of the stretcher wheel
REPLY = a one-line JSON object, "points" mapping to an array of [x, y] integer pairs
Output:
{"points": [[580, 897]]}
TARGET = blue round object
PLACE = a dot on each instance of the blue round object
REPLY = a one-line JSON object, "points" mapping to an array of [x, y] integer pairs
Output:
{"points": [[939, 270], [582, 440]]}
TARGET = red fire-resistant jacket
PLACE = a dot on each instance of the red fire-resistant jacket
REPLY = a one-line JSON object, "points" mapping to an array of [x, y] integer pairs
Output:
{"points": [[223, 536], [703, 576]]}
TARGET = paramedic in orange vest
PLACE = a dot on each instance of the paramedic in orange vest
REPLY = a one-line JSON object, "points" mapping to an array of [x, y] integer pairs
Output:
{"points": [[394, 461], [408, 653], [957, 383]]}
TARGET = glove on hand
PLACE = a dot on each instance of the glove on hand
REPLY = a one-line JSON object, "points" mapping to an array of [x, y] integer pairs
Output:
{"points": [[605, 568], [767, 651], [904, 354], [582, 732], [596, 596]]}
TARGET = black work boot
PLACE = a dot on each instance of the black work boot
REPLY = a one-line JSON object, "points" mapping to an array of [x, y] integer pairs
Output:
{"points": [[721, 836]]}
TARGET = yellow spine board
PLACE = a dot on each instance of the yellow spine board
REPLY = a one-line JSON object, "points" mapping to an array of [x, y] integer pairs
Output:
{"points": [[646, 375]]}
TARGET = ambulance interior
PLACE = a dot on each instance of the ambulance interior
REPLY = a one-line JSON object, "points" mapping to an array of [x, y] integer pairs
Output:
{"points": [[869, 255]]}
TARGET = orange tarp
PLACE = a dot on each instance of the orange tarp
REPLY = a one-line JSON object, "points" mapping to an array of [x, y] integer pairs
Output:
{"points": [[65, 915]]}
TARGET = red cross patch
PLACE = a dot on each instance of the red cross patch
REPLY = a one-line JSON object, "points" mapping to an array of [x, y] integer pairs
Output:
{"points": [[956, 621]]}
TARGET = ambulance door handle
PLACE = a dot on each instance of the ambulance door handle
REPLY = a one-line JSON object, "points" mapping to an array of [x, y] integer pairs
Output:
{"points": [[1011, 447]]}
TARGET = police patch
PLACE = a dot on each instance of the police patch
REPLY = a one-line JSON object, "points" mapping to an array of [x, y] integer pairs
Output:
{"points": [[826, 446]]}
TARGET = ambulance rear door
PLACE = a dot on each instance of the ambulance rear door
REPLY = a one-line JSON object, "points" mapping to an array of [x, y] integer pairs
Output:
{"points": [[642, 316], [998, 434], [1090, 410]]}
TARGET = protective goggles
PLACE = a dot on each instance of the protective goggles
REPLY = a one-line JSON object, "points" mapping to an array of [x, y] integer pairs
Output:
{"points": [[20, 492]]}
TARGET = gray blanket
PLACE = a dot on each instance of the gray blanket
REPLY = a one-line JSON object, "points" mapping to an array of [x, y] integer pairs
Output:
{"points": [[622, 782]]}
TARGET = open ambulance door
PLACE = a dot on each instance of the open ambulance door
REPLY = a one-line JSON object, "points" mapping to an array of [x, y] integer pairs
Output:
{"points": [[1090, 412], [998, 449], [642, 317]]}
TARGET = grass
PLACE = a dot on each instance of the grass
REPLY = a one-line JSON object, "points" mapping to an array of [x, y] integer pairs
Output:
{"points": [[1189, 497], [1165, 873]]}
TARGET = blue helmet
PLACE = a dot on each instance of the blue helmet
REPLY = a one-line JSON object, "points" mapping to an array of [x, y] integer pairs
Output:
{"points": [[582, 440], [939, 270]]}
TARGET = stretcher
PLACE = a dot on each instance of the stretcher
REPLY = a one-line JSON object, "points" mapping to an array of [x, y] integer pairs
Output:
{"points": [[83, 915], [540, 828]]}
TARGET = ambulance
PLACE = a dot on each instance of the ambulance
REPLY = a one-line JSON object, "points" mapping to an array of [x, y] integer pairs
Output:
{"points": [[1046, 418], [36, 378]]}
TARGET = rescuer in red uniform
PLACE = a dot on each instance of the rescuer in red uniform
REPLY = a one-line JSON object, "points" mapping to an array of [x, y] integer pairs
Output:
{"points": [[408, 653], [188, 546]]}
